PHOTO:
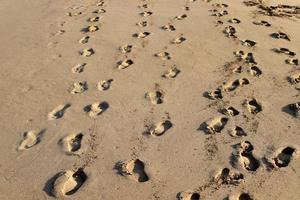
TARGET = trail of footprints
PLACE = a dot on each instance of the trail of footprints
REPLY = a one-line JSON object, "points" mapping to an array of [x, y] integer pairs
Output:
{"points": [[68, 182]]}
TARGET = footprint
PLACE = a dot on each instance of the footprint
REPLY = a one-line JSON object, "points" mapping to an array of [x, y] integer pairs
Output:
{"points": [[155, 97], [188, 195], [255, 71], [79, 68], [179, 40], [84, 40], [231, 86], [253, 106], [251, 3], [248, 43], [230, 111], [238, 132], [90, 29], [59, 32], [142, 24], [214, 95], [94, 19], [181, 17], [284, 51], [292, 61], [219, 14], [79, 87], [146, 13], [247, 57], [66, 183], [87, 52], [171, 73], [73, 14], [214, 125], [71, 144], [143, 6], [262, 23], [234, 21], [246, 158], [163, 55], [95, 109], [30, 139], [245, 196], [58, 112], [284, 157], [294, 78], [280, 35], [99, 11], [228, 177], [294, 108], [220, 5], [168, 27], [126, 48], [134, 169], [104, 84], [230, 31], [160, 128], [141, 35], [125, 63], [100, 4], [238, 70]]}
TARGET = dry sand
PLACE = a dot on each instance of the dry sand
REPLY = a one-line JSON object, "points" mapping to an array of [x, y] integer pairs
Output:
{"points": [[149, 99]]}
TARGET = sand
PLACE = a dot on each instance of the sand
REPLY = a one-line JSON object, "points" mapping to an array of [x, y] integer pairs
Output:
{"points": [[149, 99]]}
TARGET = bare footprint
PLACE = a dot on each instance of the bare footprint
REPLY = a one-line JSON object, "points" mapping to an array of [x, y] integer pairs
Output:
{"points": [[292, 61], [294, 108], [262, 23], [231, 86], [91, 29], [228, 177], [181, 17], [280, 35], [155, 97], [214, 125], [285, 51], [247, 57], [71, 144], [96, 109], [30, 139], [84, 40], [294, 78], [171, 73], [79, 68], [125, 63], [142, 24], [141, 35], [284, 156], [73, 14], [234, 21], [79, 87], [230, 111], [249, 43], [188, 195], [159, 129], [168, 27], [246, 158], [58, 112], [134, 169], [87, 52], [237, 131], [253, 106], [178, 40], [163, 55], [126, 48], [104, 84], [66, 183], [214, 95], [146, 13], [255, 71], [230, 31], [99, 11], [94, 19]]}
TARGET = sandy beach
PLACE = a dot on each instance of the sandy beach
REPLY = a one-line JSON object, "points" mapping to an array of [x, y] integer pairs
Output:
{"points": [[150, 100]]}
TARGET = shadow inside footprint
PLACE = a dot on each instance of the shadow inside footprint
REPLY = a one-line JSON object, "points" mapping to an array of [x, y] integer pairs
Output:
{"points": [[65, 183], [284, 158], [292, 109], [96, 108], [134, 168]]}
